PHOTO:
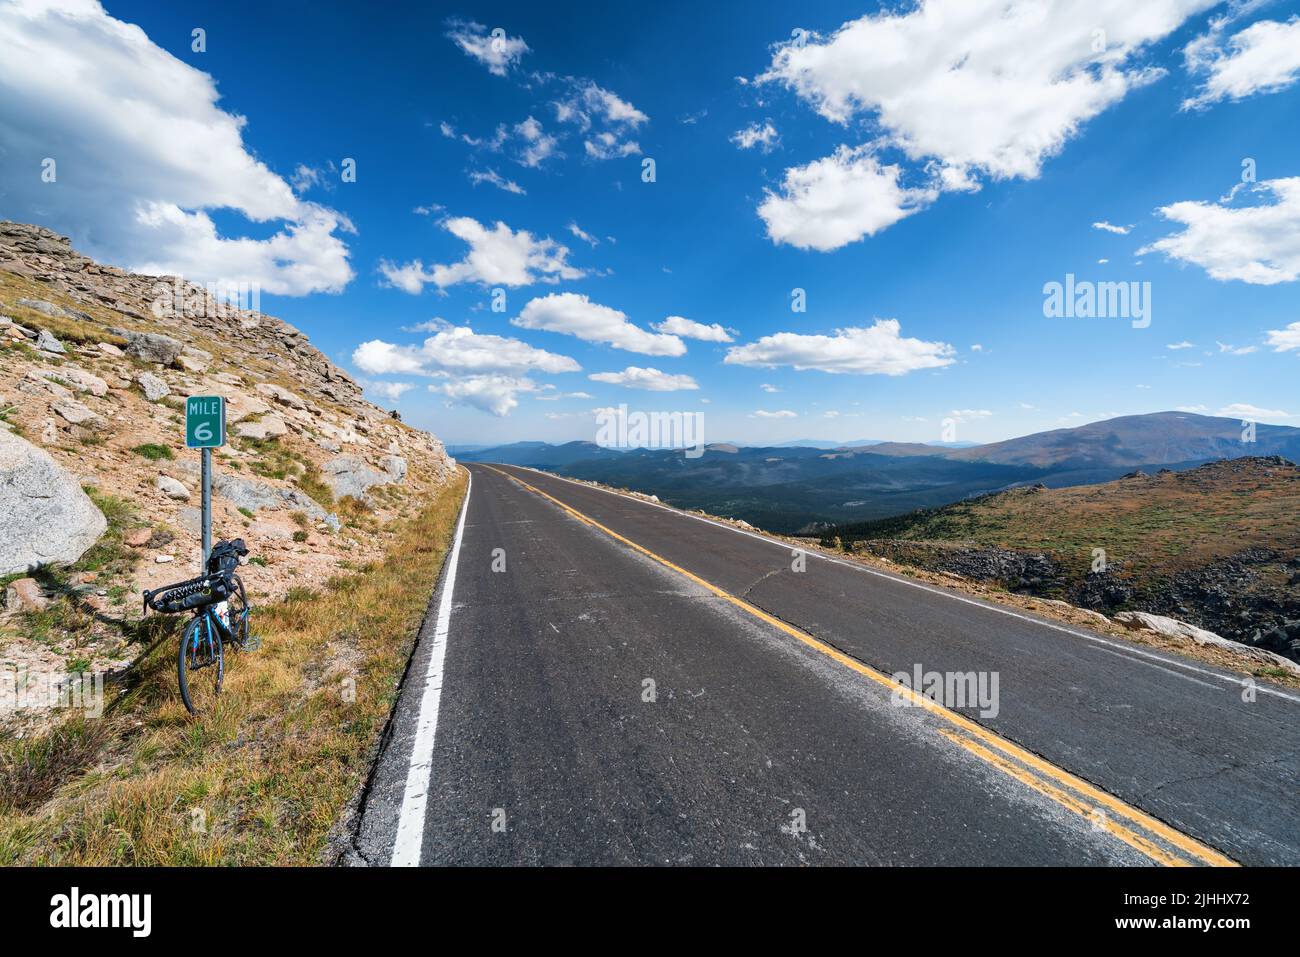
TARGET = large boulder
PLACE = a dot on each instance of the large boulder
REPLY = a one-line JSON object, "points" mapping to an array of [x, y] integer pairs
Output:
{"points": [[171, 488], [395, 466], [1173, 628], [44, 515], [254, 495], [79, 379], [350, 475], [267, 427], [154, 388], [152, 347], [46, 342], [78, 414], [193, 360], [52, 309]]}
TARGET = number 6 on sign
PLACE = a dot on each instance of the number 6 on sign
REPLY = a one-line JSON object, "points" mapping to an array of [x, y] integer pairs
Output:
{"points": [[205, 421]]}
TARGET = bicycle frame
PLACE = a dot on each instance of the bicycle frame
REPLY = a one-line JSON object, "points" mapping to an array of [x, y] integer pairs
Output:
{"points": [[223, 634]]}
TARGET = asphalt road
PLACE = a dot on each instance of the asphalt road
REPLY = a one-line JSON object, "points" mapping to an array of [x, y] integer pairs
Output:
{"points": [[605, 681]]}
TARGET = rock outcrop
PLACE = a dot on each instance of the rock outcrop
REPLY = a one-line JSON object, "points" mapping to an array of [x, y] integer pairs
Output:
{"points": [[349, 475], [44, 514], [185, 309], [107, 410], [1173, 628]]}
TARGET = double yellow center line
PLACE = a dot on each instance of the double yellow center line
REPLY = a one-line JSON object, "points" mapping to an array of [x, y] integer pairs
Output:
{"points": [[1152, 837]]}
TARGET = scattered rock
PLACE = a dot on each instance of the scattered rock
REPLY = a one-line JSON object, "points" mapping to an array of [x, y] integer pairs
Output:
{"points": [[193, 360], [1283, 640], [254, 495], [152, 347], [79, 379], [267, 427], [48, 343], [240, 406], [44, 514], [164, 559], [137, 537], [154, 388], [53, 310], [76, 413], [111, 350], [24, 595], [350, 475], [346, 436], [172, 488], [282, 395], [394, 467]]}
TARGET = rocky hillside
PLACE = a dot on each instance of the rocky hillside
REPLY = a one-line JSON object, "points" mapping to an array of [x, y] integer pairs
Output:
{"points": [[98, 496], [1217, 546]]}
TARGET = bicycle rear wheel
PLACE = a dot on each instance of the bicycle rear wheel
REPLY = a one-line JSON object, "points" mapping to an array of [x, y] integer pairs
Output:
{"points": [[200, 665]]}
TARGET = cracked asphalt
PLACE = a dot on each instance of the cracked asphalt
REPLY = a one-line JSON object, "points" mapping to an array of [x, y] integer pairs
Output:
{"points": [[601, 707]]}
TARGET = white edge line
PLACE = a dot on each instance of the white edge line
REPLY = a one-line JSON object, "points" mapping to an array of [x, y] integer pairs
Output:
{"points": [[409, 840], [1231, 679]]}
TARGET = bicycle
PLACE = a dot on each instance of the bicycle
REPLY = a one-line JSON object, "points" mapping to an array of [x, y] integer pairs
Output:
{"points": [[215, 623]]}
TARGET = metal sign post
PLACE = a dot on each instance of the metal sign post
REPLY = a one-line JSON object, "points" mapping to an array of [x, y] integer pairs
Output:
{"points": [[206, 509], [205, 429]]}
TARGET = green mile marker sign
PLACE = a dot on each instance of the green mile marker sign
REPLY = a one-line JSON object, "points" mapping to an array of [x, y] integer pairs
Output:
{"points": [[205, 421]]}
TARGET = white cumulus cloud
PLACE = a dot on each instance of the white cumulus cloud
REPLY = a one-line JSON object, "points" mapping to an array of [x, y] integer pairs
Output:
{"points": [[1262, 58], [144, 155], [965, 89], [458, 349], [1284, 340], [576, 315], [497, 394], [498, 256], [388, 391], [779, 414], [993, 86], [690, 329], [1257, 244], [838, 200], [861, 350], [634, 377]]}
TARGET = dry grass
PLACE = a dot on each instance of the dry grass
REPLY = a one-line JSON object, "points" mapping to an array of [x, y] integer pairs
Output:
{"points": [[1162, 523], [263, 778], [14, 287]]}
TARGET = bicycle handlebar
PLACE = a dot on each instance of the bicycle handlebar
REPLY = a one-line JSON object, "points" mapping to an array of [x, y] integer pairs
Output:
{"points": [[193, 593]]}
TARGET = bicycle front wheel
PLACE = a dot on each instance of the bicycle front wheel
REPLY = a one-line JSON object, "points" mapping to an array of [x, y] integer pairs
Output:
{"points": [[200, 665]]}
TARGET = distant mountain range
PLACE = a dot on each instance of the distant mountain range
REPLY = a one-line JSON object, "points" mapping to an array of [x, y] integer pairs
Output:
{"points": [[801, 488]]}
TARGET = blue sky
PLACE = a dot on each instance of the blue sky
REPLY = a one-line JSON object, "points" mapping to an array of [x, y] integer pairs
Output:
{"points": [[932, 170]]}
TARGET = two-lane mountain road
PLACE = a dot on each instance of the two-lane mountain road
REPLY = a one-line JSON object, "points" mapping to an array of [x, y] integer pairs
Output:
{"points": [[605, 680]]}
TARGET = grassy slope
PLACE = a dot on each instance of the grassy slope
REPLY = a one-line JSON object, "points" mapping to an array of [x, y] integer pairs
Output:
{"points": [[1160, 524], [262, 779]]}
